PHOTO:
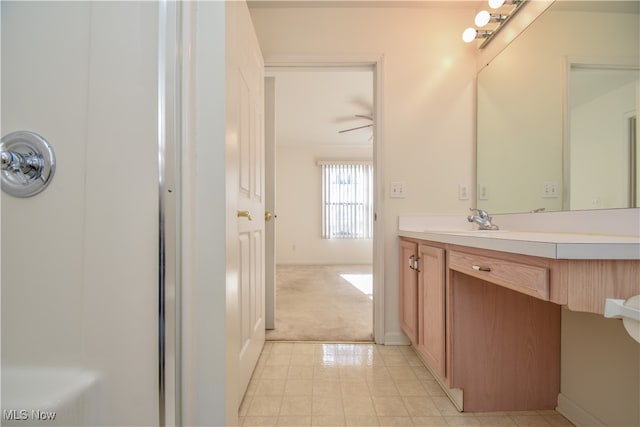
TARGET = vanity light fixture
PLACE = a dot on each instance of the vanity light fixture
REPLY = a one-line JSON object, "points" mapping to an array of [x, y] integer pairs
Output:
{"points": [[471, 34], [483, 18], [496, 4]]}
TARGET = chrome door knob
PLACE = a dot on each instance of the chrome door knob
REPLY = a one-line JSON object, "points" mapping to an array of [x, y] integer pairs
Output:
{"points": [[27, 163]]}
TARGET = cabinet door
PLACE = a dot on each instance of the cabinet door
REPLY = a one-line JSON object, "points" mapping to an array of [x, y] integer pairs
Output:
{"points": [[408, 290], [431, 307]]}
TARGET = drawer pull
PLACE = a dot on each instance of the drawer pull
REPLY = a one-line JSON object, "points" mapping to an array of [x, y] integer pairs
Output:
{"points": [[480, 268]]}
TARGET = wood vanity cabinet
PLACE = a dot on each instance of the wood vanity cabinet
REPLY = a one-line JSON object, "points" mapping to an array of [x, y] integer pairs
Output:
{"points": [[484, 322], [422, 301], [431, 307], [504, 333], [409, 290]]}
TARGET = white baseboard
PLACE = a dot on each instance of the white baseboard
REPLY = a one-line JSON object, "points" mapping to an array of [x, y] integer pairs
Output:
{"points": [[575, 413], [395, 338]]}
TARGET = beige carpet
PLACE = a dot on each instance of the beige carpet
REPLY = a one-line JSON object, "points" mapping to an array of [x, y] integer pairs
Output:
{"points": [[323, 303]]}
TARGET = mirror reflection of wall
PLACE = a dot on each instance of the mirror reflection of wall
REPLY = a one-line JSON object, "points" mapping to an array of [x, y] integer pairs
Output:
{"points": [[523, 119], [601, 148]]}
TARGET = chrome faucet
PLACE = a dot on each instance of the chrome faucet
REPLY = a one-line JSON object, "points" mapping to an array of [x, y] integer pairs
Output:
{"points": [[482, 218]]}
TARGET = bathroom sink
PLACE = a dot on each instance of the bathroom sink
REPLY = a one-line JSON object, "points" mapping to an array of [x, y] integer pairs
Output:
{"points": [[463, 231]]}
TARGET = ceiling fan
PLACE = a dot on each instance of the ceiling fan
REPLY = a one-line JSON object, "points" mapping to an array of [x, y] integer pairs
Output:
{"points": [[362, 116]]}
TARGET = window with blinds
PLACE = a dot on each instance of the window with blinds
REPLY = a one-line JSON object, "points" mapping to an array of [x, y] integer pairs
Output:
{"points": [[347, 200]]}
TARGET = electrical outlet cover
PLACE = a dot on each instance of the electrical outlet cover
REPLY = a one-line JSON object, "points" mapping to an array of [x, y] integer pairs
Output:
{"points": [[483, 192], [550, 190]]}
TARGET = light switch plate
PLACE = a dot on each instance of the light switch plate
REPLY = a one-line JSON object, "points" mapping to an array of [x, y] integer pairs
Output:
{"points": [[397, 190], [463, 192]]}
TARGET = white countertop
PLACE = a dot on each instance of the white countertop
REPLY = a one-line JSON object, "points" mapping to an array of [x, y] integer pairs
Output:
{"points": [[556, 245]]}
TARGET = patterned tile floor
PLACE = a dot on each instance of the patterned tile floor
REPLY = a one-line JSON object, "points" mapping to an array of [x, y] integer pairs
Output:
{"points": [[314, 384]]}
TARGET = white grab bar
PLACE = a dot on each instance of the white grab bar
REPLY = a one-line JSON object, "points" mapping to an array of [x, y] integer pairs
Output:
{"points": [[615, 308], [628, 311]]}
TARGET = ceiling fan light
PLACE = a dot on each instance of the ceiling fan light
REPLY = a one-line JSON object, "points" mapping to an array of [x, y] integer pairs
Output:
{"points": [[495, 4]]}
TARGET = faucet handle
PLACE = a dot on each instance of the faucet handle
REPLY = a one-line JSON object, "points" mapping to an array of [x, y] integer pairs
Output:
{"points": [[481, 212]]}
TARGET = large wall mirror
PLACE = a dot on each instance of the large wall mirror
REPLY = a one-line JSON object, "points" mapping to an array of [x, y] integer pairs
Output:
{"points": [[557, 111]]}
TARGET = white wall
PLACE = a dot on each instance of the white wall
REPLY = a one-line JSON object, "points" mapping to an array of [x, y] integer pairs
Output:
{"points": [[299, 208], [80, 260], [209, 353], [216, 35], [428, 100]]}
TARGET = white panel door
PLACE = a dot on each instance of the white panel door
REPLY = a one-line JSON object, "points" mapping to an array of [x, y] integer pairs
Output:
{"points": [[249, 79]]}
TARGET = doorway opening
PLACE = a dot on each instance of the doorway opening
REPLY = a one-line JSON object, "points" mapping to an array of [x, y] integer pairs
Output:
{"points": [[323, 149], [600, 151]]}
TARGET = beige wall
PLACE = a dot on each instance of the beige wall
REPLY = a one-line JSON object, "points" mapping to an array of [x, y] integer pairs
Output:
{"points": [[600, 370], [428, 101]]}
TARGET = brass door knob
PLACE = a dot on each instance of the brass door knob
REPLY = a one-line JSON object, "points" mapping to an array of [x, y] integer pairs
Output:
{"points": [[267, 216], [245, 214]]}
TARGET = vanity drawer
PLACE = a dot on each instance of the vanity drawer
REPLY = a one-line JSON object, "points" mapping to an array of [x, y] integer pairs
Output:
{"points": [[523, 278]]}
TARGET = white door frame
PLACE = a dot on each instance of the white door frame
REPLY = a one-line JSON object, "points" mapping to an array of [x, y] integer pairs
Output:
{"points": [[377, 62], [270, 202], [209, 254]]}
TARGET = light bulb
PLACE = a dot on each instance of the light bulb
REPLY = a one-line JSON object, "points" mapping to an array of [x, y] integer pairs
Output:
{"points": [[482, 18], [469, 35], [494, 4]]}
